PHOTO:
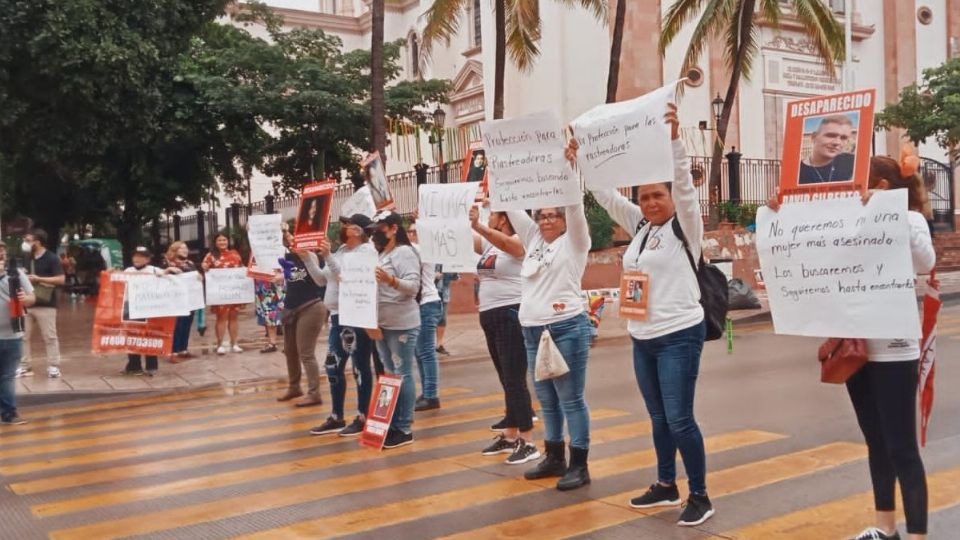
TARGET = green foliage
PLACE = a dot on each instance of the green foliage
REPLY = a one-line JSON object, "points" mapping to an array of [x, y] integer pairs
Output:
{"points": [[747, 214], [729, 211], [600, 222], [931, 109]]}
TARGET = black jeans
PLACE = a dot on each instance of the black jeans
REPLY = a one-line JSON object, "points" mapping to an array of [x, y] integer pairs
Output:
{"points": [[501, 326], [133, 362], [884, 395]]}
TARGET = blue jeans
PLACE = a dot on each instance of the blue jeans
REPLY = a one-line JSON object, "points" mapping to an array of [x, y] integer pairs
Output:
{"points": [[562, 398], [359, 345], [397, 350], [427, 361], [10, 352], [667, 369], [181, 333]]}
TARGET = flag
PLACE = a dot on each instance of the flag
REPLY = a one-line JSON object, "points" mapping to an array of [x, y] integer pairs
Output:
{"points": [[928, 352]]}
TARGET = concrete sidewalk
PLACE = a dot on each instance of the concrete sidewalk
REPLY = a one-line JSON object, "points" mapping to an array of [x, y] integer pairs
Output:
{"points": [[86, 374]]}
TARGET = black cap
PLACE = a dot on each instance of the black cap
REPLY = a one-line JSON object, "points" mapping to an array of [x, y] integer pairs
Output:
{"points": [[387, 217], [142, 250], [359, 220]]}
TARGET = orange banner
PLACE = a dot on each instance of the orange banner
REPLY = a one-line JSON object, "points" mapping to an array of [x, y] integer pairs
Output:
{"points": [[114, 332], [313, 215]]}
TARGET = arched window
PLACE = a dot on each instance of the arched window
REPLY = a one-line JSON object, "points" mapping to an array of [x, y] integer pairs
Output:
{"points": [[477, 36]]}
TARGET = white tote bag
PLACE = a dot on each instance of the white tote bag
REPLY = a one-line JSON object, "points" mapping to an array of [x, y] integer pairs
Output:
{"points": [[550, 363]]}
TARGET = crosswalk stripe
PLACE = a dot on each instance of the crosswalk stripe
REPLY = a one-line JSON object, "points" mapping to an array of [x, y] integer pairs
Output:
{"points": [[280, 497], [200, 438], [333, 486], [846, 517], [411, 509], [590, 516]]}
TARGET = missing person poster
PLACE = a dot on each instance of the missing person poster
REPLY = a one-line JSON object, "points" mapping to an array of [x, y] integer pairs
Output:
{"points": [[475, 168], [380, 411], [113, 329], [376, 177], [313, 215], [633, 296], [826, 143]]}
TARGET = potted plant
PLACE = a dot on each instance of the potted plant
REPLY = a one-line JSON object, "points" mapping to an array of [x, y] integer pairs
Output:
{"points": [[747, 215], [729, 212]]}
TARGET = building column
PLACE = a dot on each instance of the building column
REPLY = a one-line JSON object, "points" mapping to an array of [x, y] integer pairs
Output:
{"points": [[641, 67], [900, 55]]}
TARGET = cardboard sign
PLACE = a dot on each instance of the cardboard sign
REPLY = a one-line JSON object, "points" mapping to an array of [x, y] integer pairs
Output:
{"points": [[266, 240], [113, 332], [193, 283], [229, 286], [155, 296], [377, 182], [634, 289], [313, 215], [443, 224], [526, 163], [837, 268], [361, 202], [626, 143], [475, 168], [383, 402], [358, 289], [826, 143]]}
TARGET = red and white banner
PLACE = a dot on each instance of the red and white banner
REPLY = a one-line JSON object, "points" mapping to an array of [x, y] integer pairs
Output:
{"points": [[380, 411], [928, 352], [114, 330]]}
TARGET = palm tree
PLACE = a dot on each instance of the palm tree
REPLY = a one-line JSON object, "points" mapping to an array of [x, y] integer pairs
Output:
{"points": [[613, 76], [518, 27], [735, 21], [378, 127]]}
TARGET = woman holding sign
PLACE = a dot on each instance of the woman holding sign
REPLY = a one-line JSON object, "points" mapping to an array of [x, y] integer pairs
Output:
{"points": [[177, 257], [398, 313], [884, 391], [666, 322], [556, 242], [221, 256]]}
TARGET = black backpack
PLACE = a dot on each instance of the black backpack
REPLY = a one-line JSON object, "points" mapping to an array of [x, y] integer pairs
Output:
{"points": [[713, 286]]}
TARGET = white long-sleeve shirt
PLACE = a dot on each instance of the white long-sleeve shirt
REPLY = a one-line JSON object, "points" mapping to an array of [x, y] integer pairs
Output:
{"points": [[924, 259], [673, 293], [330, 275], [552, 272]]}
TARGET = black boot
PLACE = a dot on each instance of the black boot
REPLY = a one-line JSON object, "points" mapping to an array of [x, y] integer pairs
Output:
{"points": [[555, 464], [577, 475]]}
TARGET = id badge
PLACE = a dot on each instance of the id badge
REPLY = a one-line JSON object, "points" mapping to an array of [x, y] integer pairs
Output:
{"points": [[634, 294]]}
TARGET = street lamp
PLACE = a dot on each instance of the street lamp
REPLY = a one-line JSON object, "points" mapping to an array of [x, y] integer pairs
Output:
{"points": [[439, 119], [717, 109]]}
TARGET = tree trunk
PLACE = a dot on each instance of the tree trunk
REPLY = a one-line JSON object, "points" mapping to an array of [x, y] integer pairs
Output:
{"points": [[613, 75], [746, 26], [378, 128], [500, 53], [128, 228]]}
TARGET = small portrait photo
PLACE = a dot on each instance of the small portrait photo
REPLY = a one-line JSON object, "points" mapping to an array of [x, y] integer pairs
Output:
{"points": [[376, 178], [313, 215], [828, 149], [477, 165], [382, 409], [635, 291]]}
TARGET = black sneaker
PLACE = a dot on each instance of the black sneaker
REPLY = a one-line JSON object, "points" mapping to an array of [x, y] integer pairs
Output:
{"points": [[499, 426], [332, 425], [353, 428], [443, 351], [697, 510], [500, 446], [874, 533], [657, 495], [396, 439], [427, 404], [13, 420], [524, 452]]}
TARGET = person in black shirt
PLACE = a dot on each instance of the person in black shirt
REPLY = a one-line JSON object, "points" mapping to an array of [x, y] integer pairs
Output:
{"points": [[45, 272], [828, 162], [421, 169]]}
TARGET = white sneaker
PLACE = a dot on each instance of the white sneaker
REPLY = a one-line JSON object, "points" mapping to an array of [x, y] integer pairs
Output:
{"points": [[23, 372], [236, 348], [53, 372], [222, 350]]}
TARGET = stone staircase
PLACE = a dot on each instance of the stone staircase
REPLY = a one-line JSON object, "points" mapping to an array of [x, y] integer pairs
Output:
{"points": [[947, 245]]}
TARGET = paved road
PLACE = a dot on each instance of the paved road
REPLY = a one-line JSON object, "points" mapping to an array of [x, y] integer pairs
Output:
{"points": [[785, 461]]}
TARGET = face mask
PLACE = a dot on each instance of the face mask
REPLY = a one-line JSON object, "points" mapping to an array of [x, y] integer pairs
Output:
{"points": [[26, 247], [380, 240], [139, 266]]}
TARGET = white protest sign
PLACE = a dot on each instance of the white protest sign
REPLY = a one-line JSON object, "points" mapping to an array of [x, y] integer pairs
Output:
{"points": [[626, 143], [266, 240], [358, 289], [361, 202], [443, 224], [194, 286], [466, 267], [153, 296], [526, 165], [228, 286], [837, 268]]}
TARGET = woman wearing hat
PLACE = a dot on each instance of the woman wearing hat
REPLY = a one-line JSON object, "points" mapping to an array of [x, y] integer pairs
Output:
{"points": [[141, 265]]}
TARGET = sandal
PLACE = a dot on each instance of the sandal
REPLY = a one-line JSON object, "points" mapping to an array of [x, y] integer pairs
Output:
{"points": [[270, 348]]}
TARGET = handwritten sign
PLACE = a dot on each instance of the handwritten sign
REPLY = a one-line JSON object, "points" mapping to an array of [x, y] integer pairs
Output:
{"points": [[443, 224], [358, 289], [227, 286], [836, 268], [626, 143], [193, 284], [526, 165], [154, 296], [266, 240], [361, 202]]}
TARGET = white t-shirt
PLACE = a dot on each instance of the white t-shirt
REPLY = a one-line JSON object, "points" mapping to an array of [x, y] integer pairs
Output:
{"points": [[428, 280], [551, 272], [499, 274], [924, 259], [673, 295]]}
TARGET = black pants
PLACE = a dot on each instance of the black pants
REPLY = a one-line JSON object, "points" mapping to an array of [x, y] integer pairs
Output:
{"points": [[884, 396], [501, 326], [133, 362]]}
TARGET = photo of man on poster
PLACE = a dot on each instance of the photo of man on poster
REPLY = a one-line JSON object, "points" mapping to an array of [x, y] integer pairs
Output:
{"points": [[828, 152], [478, 165]]}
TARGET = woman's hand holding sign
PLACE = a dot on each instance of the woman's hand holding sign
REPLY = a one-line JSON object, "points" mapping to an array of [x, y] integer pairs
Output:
{"points": [[386, 277]]}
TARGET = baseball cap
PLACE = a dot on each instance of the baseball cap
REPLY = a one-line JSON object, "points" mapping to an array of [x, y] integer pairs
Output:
{"points": [[359, 220], [387, 217], [142, 250]]}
